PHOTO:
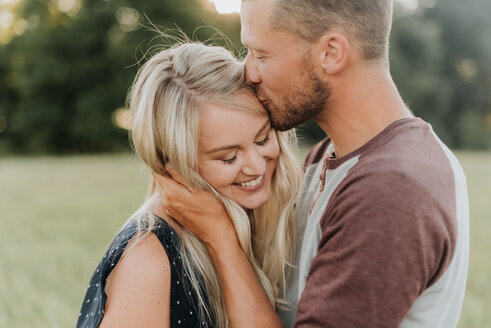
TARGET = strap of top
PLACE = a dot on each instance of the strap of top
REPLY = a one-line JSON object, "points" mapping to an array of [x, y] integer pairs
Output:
{"points": [[184, 306]]}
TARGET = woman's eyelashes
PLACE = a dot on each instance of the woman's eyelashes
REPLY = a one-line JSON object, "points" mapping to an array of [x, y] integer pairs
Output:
{"points": [[264, 141], [231, 160], [259, 143]]}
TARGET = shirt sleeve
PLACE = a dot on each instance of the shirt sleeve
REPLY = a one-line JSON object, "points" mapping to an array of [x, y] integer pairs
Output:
{"points": [[383, 242]]}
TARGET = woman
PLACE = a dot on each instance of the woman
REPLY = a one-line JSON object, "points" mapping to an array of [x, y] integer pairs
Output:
{"points": [[193, 111]]}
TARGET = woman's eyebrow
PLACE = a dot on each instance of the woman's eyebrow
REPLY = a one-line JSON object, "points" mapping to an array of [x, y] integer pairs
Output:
{"points": [[266, 124], [216, 149]]}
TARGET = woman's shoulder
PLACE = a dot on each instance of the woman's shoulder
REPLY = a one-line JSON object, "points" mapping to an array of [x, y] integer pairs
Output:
{"points": [[145, 258], [128, 267], [139, 286], [159, 233], [144, 246]]}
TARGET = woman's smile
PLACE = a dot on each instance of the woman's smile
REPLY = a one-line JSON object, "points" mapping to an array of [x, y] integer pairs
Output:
{"points": [[251, 185], [238, 151]]}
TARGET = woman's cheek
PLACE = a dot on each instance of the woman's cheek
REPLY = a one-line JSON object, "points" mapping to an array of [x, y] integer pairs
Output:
{"points": [[217, 174], [275, 151]]}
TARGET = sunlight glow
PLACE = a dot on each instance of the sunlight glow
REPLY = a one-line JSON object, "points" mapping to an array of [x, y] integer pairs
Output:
{"points": [[69, 7], [226, 6], [233, 6], [8, 2], [122, 118], [410, 4], [7, 18]]}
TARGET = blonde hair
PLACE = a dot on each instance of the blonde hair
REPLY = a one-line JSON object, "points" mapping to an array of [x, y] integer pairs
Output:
{"points": [[164, 101]]}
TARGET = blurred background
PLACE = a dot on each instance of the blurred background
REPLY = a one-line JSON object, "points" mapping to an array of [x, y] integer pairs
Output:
{"points": [[68, 180]]}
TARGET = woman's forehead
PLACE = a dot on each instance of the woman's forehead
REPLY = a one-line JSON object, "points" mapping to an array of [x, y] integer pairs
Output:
{"points": [[219, 123], [244, 99]]}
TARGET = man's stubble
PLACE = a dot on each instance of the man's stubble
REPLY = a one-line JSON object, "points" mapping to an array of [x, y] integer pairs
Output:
{"points": [[300, 105]]}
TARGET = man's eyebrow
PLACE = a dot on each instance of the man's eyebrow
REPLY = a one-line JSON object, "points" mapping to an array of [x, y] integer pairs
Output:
{"points": [[248, 47], [214, 150], [263, 51]]}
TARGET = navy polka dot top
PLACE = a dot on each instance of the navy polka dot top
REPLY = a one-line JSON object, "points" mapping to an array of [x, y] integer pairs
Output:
{"points": [[183, 310]]}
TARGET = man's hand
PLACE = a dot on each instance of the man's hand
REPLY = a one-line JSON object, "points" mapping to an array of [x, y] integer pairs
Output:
{"points": [[202, 213], [197, 210]]}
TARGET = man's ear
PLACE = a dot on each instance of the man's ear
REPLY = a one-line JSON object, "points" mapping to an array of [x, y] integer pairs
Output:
{"points": [[331, 53]]}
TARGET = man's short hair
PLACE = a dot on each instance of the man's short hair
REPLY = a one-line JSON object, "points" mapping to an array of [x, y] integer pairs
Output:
{"points": [[367, 21]]}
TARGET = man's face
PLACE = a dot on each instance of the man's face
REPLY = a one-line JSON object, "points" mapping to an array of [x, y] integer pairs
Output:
{"points": [[280, 69]]}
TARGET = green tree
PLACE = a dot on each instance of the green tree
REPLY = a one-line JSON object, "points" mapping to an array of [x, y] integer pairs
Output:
{"points": [[64, 78], [441, 61]]}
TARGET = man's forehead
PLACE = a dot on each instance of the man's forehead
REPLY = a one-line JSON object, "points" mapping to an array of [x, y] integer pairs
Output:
{"points": [[255, 22]]}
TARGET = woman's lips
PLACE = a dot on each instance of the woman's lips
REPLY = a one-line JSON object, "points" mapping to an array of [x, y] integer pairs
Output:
{"points": [[253, 185]]}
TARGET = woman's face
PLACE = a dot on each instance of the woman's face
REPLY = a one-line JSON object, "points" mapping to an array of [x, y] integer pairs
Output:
{"points": [[238, 152]]}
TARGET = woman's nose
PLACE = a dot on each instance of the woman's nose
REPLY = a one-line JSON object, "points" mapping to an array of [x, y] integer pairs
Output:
{"points": [[255, 164]]}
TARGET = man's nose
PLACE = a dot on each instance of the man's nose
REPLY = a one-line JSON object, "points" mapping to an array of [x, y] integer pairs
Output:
{"points": [[251, 72]]}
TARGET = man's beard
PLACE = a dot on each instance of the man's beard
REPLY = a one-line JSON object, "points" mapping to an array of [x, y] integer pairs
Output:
{"points": [[310, 99]]}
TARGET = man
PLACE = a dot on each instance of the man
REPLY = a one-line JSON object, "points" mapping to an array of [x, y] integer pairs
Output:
{"points": [[384, 213]]}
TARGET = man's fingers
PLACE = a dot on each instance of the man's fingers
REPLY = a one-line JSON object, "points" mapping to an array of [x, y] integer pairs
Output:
{"points": [[177, 177], [168, 186]]}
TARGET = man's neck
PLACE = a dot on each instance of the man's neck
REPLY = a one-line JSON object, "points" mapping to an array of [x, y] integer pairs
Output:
{"points": [[362, 105]]}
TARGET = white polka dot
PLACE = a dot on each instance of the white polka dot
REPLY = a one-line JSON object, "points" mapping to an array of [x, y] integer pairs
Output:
{"points": [[191, 312], [179, 321], [178, 302], [97, 285], [88, 300], [178, 282], [80, 314]]}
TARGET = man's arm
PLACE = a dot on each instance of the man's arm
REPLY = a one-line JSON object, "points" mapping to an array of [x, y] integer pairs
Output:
{"points": [[382, 244], [199, 211], [246, 301]]}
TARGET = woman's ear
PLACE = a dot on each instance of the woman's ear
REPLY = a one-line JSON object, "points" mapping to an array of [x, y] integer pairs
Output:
{"points": [[331, 53]]}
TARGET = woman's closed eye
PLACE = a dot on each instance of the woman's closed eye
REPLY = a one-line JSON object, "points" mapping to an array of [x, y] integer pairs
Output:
{"points": [[264, 141], [231, 160]]}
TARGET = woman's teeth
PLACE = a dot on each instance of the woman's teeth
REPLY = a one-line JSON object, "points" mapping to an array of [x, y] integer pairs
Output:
{"points": [[252, 183]]}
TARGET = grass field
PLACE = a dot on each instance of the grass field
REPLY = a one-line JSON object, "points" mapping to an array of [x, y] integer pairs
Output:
{"points": [[57, 216]]}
